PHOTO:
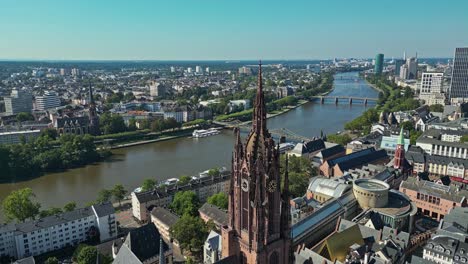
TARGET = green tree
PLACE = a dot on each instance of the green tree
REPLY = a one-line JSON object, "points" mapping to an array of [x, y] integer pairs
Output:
{"points": [[87, 255], [49, 132], [148, 184], [69, 207], [171, 123], [111, 123], [119, 193], [213, 172], [51, 260], [414, 135], [184, 179], [342, 139], [464, 138], [104, 196], [50, 211], [185, 202], [436, 108], [132, 124], [20, 205], [300, 171], [219, 199], [190, 232], [407, 125], [23, 116]]}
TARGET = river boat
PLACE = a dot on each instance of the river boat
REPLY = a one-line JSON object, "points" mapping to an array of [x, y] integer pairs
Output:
{"points": [[205, 133]]}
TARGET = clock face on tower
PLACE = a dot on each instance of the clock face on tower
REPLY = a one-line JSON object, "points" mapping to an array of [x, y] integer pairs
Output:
{"points": [[245, 185], [272, 186]]}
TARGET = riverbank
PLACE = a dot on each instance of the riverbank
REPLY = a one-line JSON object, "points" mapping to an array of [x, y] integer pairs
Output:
{"points": [[143, 142]]}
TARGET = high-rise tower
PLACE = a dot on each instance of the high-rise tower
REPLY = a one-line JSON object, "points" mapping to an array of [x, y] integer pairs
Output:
{"points": [[459, 87], [258, 229], [379, 62], [93, 118]]}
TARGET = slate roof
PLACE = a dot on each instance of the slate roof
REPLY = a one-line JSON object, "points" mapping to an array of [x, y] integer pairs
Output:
{"points": [[143, 242], [104, 209], [367, 156], [164, 215], [54, 220], [442, 160], [126, 256], [328, 152], [351, 156], [144, 197], [218, 215]]}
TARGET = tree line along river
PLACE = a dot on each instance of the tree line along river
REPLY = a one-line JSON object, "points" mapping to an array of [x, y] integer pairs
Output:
{"points": [[173, 158]]}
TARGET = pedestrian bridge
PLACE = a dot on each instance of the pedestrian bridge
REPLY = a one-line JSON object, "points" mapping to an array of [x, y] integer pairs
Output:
{"points": [[348, 99]]}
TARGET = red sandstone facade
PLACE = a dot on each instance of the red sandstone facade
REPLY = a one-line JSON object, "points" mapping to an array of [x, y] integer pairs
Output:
{"points": [[258, 229]]}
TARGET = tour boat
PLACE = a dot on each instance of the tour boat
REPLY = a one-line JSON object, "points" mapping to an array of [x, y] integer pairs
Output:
{"points": [[283, 147], [205, 133]]}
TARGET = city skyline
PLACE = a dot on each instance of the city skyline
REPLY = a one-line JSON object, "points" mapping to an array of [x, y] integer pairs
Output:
{"points": [[120, 30]]}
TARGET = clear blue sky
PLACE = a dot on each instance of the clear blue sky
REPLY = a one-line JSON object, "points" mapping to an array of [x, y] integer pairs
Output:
{"points": [[225, 29]]}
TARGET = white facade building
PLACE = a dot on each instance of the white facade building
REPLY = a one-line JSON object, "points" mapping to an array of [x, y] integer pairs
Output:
{"points": [[54, 232], [47, 101], [431, 86]]}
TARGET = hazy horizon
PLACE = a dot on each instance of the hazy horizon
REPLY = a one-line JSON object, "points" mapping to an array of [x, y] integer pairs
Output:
{"points": [[177, 30]]}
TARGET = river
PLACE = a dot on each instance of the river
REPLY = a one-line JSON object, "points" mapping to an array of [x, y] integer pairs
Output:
{"points": [[167, 159]]}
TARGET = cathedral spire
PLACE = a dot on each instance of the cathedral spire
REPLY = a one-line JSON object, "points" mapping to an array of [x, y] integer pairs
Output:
{"points": [[259, 118], [90, 91]]}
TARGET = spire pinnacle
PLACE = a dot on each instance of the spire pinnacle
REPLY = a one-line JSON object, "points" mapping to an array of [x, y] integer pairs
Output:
{"points": [[90, 91], [259, 118], [401, 138]]}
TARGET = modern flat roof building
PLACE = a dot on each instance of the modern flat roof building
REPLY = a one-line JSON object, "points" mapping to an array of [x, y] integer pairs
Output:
{"points": [[49, 100], [431, 84], [18, 101], [459, 86]]}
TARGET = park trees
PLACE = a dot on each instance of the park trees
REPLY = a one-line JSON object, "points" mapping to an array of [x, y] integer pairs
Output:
{"points": [[190, 232], [119, 193], [148, 184], [104, 196], [184, 179], [342, 139], [20, 205], [219, 199], [300, 171], [185, 202], [111, 124], [69, 207]]}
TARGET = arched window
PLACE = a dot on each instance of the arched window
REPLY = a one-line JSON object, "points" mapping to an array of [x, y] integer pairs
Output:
{"points": [[274, 258]]}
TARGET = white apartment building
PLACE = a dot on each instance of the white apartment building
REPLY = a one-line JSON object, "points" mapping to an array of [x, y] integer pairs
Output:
{"points": [[50, 233], [47, 101], [14, 137], [431, 85]]}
